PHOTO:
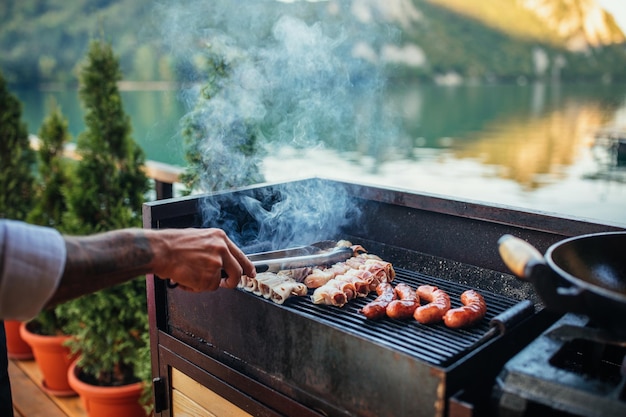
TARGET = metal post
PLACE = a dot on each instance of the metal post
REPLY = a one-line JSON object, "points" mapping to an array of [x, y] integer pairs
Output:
{"points": [[163, 190]]}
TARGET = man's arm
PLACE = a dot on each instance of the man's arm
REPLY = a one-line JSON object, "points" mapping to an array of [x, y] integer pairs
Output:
{"points": [[194, 258], [101, 261], [40, 267]]}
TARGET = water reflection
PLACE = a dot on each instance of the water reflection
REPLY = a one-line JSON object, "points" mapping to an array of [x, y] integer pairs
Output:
{"points": [[530, 135], [520, 146], [154, 118], [525, 146], [609, 153], [534, 150]]}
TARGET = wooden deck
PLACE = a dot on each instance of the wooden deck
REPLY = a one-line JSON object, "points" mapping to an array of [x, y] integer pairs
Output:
{"points": [[29, 400]]}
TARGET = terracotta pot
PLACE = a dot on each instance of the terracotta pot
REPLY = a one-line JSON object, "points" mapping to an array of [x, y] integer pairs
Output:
{"points": [[17, 348], [53, 360], [102, 401]]}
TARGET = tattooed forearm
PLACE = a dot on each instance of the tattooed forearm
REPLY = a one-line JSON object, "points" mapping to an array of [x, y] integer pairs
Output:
{"points": [[103, 260]]}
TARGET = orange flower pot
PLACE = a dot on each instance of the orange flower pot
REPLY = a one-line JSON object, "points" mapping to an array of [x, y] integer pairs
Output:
{"points": [[102, 401], [53, 360], [17, 348]]}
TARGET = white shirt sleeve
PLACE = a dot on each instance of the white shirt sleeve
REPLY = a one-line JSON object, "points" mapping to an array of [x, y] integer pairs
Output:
{"points": [[32, 260]]}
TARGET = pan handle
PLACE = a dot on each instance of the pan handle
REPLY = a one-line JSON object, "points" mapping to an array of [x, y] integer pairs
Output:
{"points": [[519, 256], [528, 264]]}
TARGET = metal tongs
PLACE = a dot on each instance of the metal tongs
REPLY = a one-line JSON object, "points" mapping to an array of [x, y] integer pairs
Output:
{"points": [[316, 254]]}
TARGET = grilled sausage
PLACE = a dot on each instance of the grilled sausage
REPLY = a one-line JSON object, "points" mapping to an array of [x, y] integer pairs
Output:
{"points": [[406, 304], [438, 304], [473, 310], [377, 308]]}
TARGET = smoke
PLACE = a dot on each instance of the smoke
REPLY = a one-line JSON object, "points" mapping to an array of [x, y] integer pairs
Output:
{"points": [[305, 213], [300, 74]]}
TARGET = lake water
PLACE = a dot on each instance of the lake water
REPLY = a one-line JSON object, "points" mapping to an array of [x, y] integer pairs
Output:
{"points": [[523, 146]]}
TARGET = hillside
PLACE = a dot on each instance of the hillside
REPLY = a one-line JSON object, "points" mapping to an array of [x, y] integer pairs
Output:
{"points": [[529, 39], [434, 40], [576, 25]]}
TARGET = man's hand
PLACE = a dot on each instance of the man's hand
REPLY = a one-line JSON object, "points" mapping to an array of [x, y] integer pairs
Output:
{"points": [[195, 258]]}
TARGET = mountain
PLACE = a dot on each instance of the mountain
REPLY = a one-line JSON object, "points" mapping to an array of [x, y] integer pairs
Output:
{"points": [[585, 25], [431, 40], [451, 41], [577, 25]]}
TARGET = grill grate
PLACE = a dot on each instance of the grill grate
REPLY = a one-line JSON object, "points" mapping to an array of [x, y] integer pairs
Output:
{"points": [[435, 343]]}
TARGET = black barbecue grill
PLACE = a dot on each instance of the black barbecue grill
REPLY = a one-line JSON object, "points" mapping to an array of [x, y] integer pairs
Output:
{"points": [[423, 342], [303, 359]]}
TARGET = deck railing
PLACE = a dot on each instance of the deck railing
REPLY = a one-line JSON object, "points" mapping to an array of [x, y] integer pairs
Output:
{"points": [[164, 175]]}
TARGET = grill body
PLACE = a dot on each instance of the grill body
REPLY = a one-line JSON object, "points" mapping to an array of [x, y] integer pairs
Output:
{"points": [[301, 359]]}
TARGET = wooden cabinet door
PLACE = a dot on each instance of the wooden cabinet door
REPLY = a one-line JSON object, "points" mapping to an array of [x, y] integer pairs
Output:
{"points": [[190, 398]]}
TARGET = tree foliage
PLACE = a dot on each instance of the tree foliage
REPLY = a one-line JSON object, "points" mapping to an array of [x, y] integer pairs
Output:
{"points": [[110, 184], [219, 149], [16, 158], [54, 177], [41, 42], [107, 193], [51, 184]]}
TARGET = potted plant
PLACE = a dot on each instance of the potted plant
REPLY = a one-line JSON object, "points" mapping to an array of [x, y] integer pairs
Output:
{"points": [[108, 189], [47, 333], [48, 341], [17, 347], [16, 182]]}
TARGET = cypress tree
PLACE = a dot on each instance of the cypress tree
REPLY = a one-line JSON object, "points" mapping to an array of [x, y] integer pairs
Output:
{"points": [[17, 159], [221, 149], [50, 204], [108, 189], [110, 183], [53, 179]]}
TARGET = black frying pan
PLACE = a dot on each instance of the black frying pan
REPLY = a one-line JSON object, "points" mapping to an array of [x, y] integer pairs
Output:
{"points": [[584, 274]]}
